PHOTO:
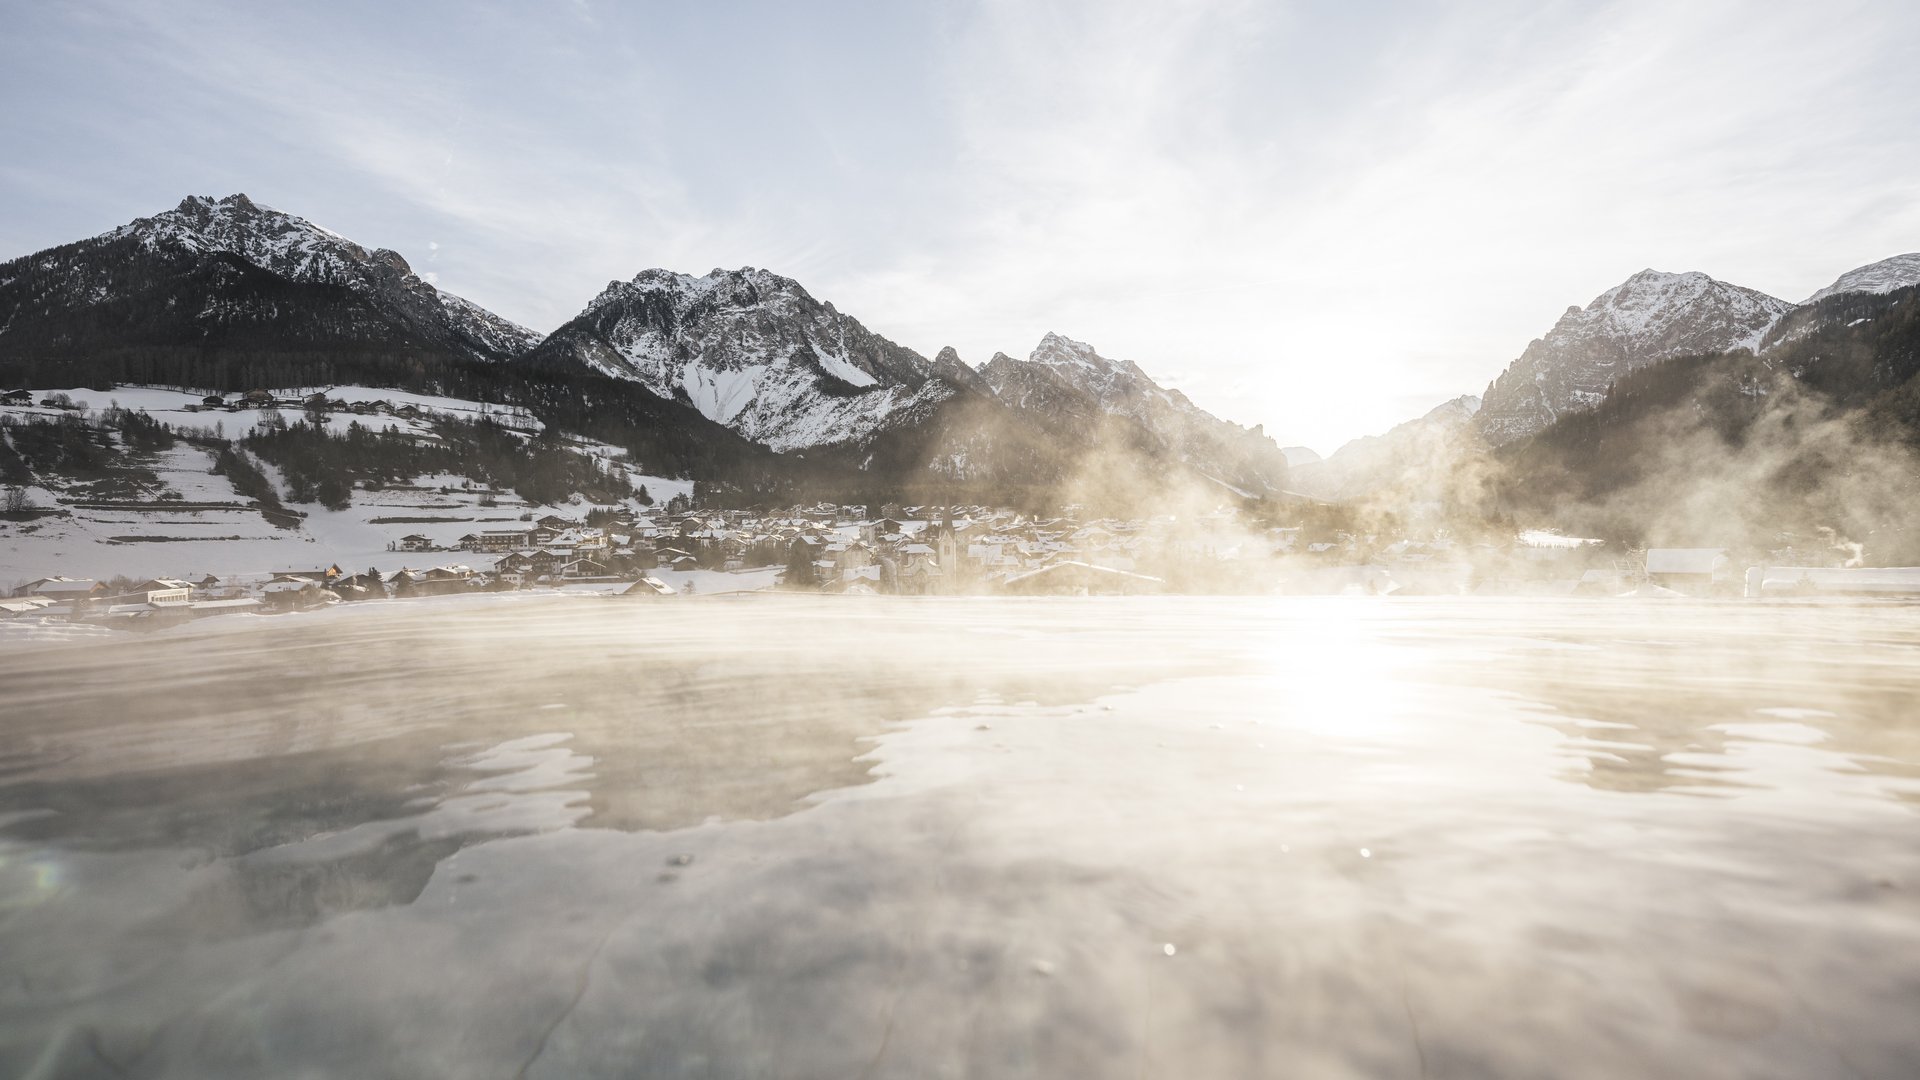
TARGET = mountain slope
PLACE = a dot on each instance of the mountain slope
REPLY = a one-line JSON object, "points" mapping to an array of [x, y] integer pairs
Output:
{"points": [[1817, 438], [230, 272], [1075, 389], [228, 295], [1405, 460], [749, 349], [1884, 276], [1651, 316]]}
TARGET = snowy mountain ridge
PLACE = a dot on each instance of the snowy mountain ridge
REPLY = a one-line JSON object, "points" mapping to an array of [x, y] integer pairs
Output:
{"points": [[299, 250], [749, 349], [1884, 276], [1651, 316], [1071, 384]]}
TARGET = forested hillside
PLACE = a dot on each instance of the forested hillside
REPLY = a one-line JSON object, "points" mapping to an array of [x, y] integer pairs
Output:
{"points": [[1819, 438]]}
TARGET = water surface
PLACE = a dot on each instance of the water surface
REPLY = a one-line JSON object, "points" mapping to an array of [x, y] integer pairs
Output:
{"points": [[1135, 837]]}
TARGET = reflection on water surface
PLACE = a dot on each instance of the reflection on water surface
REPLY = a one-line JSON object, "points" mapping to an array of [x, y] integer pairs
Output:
{"points": [[1152, 836]]}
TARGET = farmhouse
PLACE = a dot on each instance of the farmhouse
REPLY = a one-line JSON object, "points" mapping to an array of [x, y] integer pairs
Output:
{"points": [[59, 589]]}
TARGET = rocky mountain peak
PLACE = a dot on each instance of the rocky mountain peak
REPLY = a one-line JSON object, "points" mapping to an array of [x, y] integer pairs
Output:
{"points": [[296, 249], [748, 348], [1652, 316], [948, 366], [1056, 350]]}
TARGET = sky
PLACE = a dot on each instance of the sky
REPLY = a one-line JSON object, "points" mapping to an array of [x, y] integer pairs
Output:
{"points": [[1324, 218]]}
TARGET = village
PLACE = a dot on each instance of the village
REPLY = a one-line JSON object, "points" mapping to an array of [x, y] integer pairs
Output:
{"points": [[945, 551]]}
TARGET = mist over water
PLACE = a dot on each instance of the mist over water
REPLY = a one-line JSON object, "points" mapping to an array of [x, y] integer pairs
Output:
{"points": [[787, 836]]}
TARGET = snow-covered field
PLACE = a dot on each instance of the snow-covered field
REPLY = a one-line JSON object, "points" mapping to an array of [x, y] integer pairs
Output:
{"points": [[198, 524]]}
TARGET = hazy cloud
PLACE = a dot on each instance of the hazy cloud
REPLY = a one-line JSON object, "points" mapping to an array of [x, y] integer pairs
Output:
{"points": [[1326, 218]]}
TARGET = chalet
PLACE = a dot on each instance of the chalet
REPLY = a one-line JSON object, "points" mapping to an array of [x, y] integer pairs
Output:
{"points": [[367, 586], [583, 568], [436, 581], [1695, 571], [256, 399], [213, 401], [17, 397], [854, 556], [517, 563], [416, 542], [869, 575], [916, 571], [581, 540], [649, 588], [546, 560]]}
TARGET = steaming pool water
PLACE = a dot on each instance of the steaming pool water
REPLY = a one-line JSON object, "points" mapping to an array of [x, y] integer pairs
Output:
{"points": [[571, 837]]}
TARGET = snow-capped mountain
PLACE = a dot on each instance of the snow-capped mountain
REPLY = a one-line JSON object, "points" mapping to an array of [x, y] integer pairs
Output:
{"points": [[1880, 277], [1651, 316], [1072, 385], [749, 349], [948, 367], [1302, 455], [198, 271], [1410, 459]]}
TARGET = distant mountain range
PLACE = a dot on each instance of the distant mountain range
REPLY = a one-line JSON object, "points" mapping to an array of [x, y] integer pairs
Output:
{"points": [[744, 377], [1650, 318], [228, 294], [1402, 461]]}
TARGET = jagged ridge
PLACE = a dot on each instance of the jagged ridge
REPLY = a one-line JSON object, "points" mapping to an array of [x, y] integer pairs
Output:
{"points": [[750, 349], [1651, 316]]}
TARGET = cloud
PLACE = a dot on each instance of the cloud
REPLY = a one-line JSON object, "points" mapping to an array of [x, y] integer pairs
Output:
{"points": [[1321, 254], [1324, 218]]}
